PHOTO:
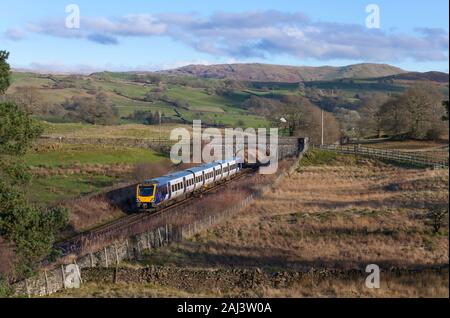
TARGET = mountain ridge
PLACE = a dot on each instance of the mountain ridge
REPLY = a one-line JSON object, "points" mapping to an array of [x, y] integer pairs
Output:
{"points": [[257, 72]]}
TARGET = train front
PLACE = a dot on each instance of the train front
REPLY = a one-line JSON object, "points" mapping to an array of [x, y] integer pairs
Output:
{"points": [[145, 195]]}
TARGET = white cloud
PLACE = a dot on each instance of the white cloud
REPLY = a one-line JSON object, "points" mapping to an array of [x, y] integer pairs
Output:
{"points": [[263, 34], [57, 67], [14, 34]]}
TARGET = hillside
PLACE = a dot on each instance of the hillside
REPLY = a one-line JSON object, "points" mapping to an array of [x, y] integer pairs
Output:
{"points": [[288, 74], [438, 77]]}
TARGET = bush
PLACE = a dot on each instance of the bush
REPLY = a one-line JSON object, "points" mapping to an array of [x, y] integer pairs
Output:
{"points": [[5, 288], [318, 157], [433, 134]]}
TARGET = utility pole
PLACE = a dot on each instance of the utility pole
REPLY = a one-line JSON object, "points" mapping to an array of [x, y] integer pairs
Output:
{"points": [[321, 143], [160, 133]]}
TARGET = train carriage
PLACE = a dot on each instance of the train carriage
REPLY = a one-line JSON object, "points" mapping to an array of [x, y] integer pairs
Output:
{"points": [[159, 191]]}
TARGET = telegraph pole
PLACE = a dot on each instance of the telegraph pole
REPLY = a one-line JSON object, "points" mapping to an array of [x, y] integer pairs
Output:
{"points": [[321, 143], [159, 125]]}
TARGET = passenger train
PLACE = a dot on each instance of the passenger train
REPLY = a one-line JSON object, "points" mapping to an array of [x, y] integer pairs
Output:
{"points": [[163, 190]]}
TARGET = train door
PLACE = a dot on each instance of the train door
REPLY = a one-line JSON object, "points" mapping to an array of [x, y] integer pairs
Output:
{"points": [[170, 190]]}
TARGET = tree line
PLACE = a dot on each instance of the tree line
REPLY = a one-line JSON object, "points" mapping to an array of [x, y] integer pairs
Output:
{"points": [[417, 113]]}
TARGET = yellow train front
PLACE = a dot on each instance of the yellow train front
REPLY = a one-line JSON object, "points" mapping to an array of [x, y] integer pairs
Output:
{"points": [[145, 195]]}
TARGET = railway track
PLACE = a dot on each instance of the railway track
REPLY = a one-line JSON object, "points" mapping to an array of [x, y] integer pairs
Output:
{"points": [[74, 244]]}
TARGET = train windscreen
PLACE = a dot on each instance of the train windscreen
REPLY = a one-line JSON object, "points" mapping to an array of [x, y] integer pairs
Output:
{"points": [[146, 191]]}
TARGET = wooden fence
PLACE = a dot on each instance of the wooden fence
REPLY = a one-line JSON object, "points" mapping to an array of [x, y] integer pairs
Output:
{"points": [[395, 155]]}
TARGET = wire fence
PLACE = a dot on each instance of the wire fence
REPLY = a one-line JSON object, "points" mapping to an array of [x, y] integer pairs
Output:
{"points": [[395, 155]]}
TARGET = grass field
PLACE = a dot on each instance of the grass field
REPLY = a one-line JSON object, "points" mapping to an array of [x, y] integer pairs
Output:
{"points": [[127, 97], [66, 155], [64, 171], [410, 145], [116, 131], [52, 189]]}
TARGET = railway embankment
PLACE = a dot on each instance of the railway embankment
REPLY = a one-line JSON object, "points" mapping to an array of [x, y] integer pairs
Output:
{"points": [[128, 244]]}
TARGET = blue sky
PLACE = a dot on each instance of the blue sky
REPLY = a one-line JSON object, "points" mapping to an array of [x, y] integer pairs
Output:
{"points": [[153, 35]]}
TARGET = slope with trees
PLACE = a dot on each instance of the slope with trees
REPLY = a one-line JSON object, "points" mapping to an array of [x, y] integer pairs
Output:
{"points": [[28, 232]]}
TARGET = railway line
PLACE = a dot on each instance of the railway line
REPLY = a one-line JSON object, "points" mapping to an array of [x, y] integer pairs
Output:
{"points": [[75, 244]]}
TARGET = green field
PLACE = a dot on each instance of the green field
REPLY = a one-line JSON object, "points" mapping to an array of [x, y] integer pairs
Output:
{"points": [[54, 189], [127, 97], [60, 177], [69, 155], [115, 131]]}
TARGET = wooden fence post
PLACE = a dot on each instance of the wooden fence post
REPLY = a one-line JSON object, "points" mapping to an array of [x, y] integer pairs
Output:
{"points": [[139, 247], [27, 288], [167, 234], [117, 255], [161, 241], [106, 257], [148, 240], [92, 259], [63, 275], [128, 249], [47, 287], [78, 271]]}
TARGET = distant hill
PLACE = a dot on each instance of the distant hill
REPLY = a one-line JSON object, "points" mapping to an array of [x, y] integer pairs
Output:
{"points": [[287, 74], [438, 77]]}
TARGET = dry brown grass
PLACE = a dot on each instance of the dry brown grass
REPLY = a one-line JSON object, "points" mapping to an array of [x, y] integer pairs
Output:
{"points": [[236, 283], [88, 212], [341, 216]]}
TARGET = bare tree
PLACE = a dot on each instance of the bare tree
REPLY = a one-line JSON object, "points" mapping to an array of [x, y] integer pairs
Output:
{"points": [[437, 216], [371, 122], [422, 104]]}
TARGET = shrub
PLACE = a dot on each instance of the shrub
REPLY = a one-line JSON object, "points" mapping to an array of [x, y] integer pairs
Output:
{"points": [[433, 133]]}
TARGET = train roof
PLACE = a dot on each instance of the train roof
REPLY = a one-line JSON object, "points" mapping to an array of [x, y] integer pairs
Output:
{"points": [[180, 174], [167, 178]]}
